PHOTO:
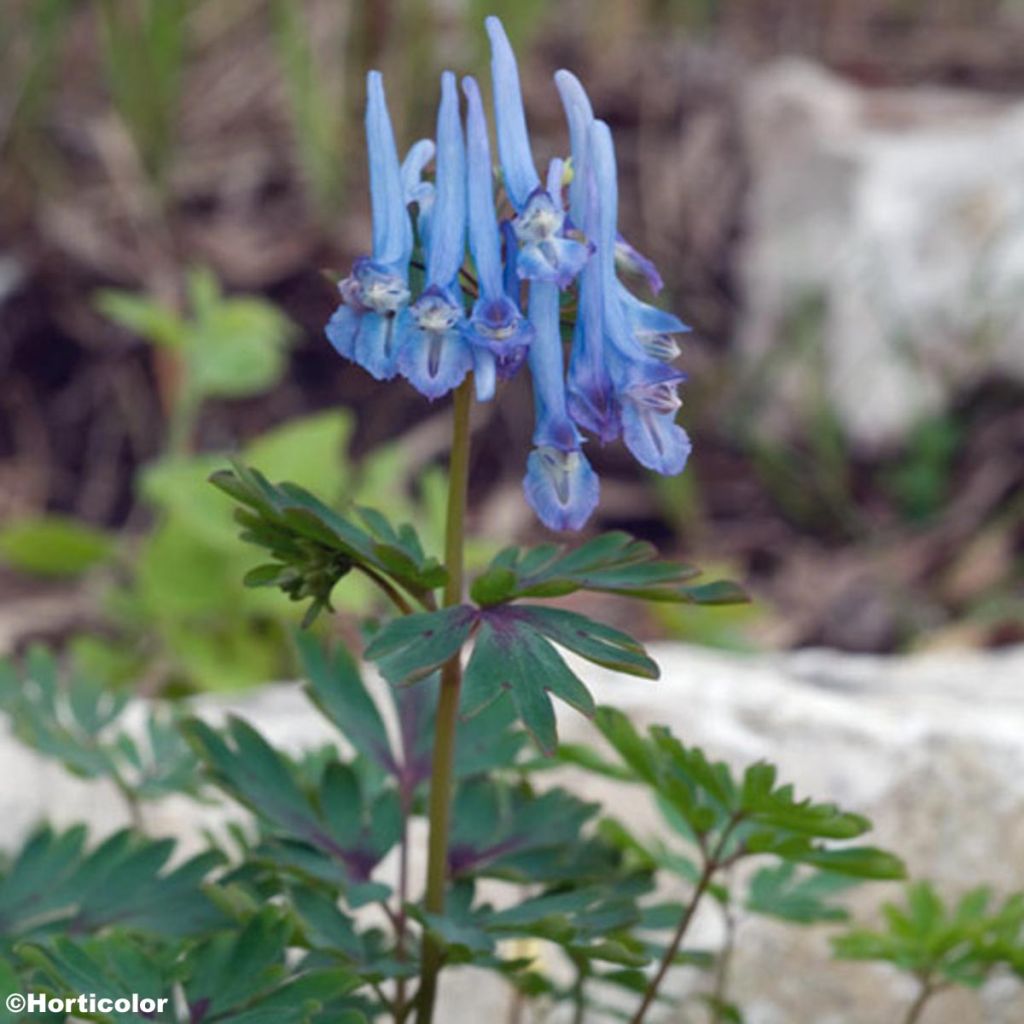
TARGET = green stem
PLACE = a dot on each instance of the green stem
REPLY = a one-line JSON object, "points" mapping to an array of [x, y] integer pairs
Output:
{"points": [[670, 954], [713, 862], [448, 704], [916, 1008]]}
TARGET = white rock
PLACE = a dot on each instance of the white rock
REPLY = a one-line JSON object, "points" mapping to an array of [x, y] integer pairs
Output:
{"points": [[930, 747], [902, 213]]}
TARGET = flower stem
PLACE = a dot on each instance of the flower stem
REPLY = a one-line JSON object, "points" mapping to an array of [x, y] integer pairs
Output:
{"points": [[448, 704]]}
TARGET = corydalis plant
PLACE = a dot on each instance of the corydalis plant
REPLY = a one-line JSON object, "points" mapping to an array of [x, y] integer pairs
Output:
{"points": [[552, 235], [493, 651]]}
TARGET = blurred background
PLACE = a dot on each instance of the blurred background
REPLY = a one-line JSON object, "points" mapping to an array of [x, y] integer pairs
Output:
{"points": [[833, 192]]}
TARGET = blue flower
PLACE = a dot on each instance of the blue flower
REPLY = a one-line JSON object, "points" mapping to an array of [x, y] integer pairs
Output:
{"points": [[560, 484], [498, 331], [375, 296], [652, 328], [645, 387], [591, 395], [546, 252], [433, 354]]}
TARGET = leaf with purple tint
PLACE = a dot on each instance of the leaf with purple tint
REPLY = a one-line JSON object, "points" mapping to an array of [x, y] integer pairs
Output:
{"points": [[511, 656], [503, 831], [340, 832], [411, 647]]}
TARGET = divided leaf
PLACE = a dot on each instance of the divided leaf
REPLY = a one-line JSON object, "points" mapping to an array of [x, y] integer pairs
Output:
{"points": [[613, 563], [54, 885], [959, 944], [313, 546], [338, 833], [743, 816], [76, 721]]}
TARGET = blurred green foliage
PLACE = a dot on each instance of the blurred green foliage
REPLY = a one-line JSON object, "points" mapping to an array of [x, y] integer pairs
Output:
{"points": [[942, 945], [174, 598], [225, 347], [920, 481], [53, 546], [144, 53]]}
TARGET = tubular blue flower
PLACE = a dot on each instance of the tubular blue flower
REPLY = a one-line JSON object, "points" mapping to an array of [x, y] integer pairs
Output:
{"points": [[375, 296], [497, 330], [579, 114], [546, 253], [560, 484], [433, 353], [645, 387], [591, 396]]}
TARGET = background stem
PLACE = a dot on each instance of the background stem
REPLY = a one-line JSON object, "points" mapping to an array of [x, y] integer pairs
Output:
{"points": [[448, 703], [917, 1007]]}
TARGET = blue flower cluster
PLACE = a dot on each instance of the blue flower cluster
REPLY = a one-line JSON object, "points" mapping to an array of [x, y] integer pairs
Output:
{"points": [[619, 381]]}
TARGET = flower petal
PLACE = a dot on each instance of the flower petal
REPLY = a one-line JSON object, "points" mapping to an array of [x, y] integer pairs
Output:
{"points": [[433, 355], [579, 114], [561, 487], [635, 262], [484, 242], [434, 362], [448, 235], [555, 260], [392, 232], [655, 439], [517, 164], [377, 342], [343, 329], [417, 191]]}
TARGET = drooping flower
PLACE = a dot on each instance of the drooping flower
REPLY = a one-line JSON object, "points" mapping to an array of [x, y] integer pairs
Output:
{"points": [[591, 395], [433, 353], [645, 387], [546, 253], [560, 484], [375, 296], [619, 380], [498, 331]]}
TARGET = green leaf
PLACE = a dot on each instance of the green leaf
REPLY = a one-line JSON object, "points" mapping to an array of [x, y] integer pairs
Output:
{"points": [[610, 563], [801, 897], [597, 643], [337, 688], [139, 314], [54, 883], [413, 646], [511, 832], [338, 833], [75, 720], [319, 546], [235, 346], [708, 806], [959, 944], [54, 546], [511, 656]]}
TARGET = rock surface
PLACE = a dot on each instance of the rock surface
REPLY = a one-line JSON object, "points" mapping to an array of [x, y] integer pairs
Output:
{"points": [[886, 227], [930, 747]]}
